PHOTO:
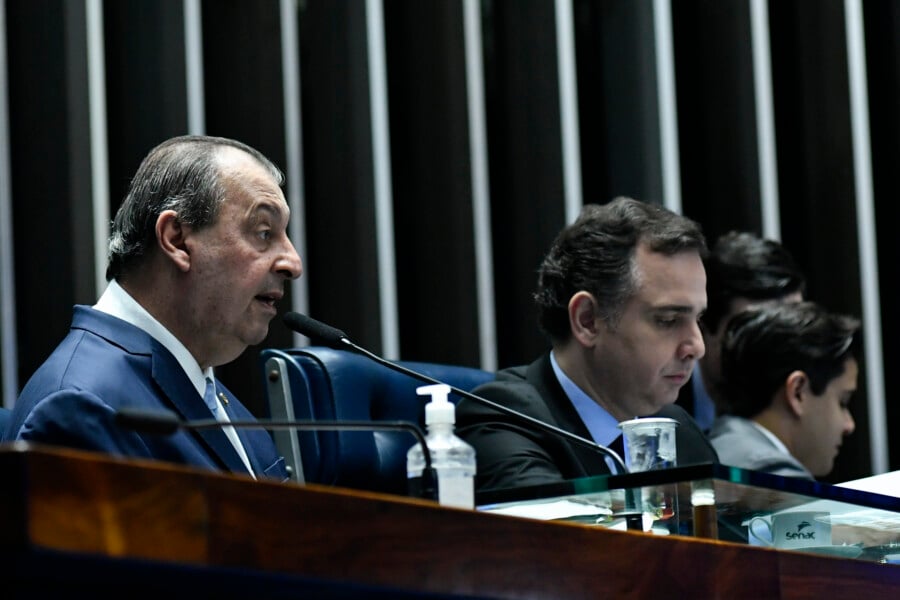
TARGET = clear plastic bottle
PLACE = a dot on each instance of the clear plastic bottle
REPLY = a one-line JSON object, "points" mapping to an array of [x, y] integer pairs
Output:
{"points": [[452, 459]]}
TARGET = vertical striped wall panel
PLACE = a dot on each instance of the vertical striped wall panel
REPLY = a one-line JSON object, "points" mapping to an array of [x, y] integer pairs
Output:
{"points": [[433, 149]]}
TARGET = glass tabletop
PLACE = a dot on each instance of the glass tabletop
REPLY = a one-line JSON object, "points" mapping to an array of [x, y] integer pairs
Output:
{"points": [[719, 502]]}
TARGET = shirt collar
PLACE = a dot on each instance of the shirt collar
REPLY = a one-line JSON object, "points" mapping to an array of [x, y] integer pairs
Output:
{"points": [[117, 302], [602, 426], [771, 437]]}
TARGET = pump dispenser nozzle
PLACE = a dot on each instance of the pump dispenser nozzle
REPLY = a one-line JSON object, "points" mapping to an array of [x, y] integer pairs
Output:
{"points": [[439, 410]]}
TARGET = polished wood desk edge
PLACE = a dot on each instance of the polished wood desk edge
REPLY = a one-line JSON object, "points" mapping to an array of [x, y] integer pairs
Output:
{"points": [[82, 502]]}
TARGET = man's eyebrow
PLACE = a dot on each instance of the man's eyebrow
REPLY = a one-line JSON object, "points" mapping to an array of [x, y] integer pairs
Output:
{"points": [[275, 210], [678, 308]]}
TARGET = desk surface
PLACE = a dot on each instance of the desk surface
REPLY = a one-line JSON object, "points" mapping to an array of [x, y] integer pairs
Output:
{"points": [[863, 523], [157, 517]]}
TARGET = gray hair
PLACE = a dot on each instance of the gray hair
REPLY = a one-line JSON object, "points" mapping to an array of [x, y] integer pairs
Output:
{"points": [[180, 174]]}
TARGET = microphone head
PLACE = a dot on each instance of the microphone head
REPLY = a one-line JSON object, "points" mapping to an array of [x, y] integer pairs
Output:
{"points": [[159, 422], [315, 330]]}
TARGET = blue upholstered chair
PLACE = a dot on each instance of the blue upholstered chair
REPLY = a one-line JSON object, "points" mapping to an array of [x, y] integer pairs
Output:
{"points": [[320, 383], [5, 416]]}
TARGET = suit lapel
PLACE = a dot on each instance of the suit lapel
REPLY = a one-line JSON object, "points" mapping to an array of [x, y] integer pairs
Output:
{"points": [[540, 374], [179, 390]]}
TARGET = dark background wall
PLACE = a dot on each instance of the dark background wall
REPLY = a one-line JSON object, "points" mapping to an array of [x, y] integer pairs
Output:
{"points": [[430, 154]]}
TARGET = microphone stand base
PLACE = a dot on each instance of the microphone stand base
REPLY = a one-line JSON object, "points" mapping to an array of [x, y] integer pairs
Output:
{"points": [[634, 520]]}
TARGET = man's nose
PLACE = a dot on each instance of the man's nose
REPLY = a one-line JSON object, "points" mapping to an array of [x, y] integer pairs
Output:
{"points": [[693, 348], [289, 263]]}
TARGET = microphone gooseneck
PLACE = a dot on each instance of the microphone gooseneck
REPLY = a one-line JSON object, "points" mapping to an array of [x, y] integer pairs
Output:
{"points": [[163, 422], [335, 338]]}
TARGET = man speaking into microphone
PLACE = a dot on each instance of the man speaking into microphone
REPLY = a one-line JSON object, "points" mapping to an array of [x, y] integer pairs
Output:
{"points": [[198, 258], [619, 296]]}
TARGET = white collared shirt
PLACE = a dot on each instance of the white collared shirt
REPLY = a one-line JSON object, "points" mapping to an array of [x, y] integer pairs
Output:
{"points": [[117, 302]]}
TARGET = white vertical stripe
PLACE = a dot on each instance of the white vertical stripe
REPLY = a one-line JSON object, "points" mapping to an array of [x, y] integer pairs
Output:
{"points": [[668, 112], [568, 108], [193, 63], [8, 345], [293, 136], [765, 120], [484, 260], [99, 149], [381, 149], [865, 216]]}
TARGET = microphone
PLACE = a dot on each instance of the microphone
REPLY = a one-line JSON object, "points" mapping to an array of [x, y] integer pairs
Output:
{"points": [[335, 338], [163, 422], [319, 331]]}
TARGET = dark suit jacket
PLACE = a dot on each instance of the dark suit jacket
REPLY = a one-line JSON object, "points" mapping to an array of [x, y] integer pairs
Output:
{"points": [[105, 363], [513, 453]]}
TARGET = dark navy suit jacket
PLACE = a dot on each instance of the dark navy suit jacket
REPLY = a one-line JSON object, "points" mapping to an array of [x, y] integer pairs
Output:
{"points": [[512, 453], [105, 363]]}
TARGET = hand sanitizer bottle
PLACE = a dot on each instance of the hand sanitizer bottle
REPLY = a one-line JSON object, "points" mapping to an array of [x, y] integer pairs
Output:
{"points": [[452, 459]]}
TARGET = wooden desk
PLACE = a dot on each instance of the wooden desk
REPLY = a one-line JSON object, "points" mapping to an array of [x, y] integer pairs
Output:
{"points": [[165, 524]]}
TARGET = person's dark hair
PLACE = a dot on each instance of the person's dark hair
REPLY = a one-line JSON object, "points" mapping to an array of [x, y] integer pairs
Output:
{"points": [[743, 265], [596, 254], [763, 345], [180, 174]]}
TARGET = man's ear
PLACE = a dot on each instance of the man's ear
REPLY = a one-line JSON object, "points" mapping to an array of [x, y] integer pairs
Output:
{"points": [[170, 235], [584, 319], [796, 390]]}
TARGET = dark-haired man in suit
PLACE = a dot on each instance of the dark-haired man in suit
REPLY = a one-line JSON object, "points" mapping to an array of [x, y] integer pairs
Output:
{"points": [[789, 373], [619, 295]]}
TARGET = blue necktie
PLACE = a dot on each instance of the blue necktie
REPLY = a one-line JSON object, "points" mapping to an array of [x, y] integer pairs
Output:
{"points": [[209, 396]]}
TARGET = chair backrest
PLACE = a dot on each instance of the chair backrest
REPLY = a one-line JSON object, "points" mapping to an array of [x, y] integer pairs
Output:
{"points": [[5, 416], [320, 383]]}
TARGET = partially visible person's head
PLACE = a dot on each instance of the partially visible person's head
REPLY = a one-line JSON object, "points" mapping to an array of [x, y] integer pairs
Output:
{"points": [[743, 270], [626, 282], [201, 242], [795, 362]]}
